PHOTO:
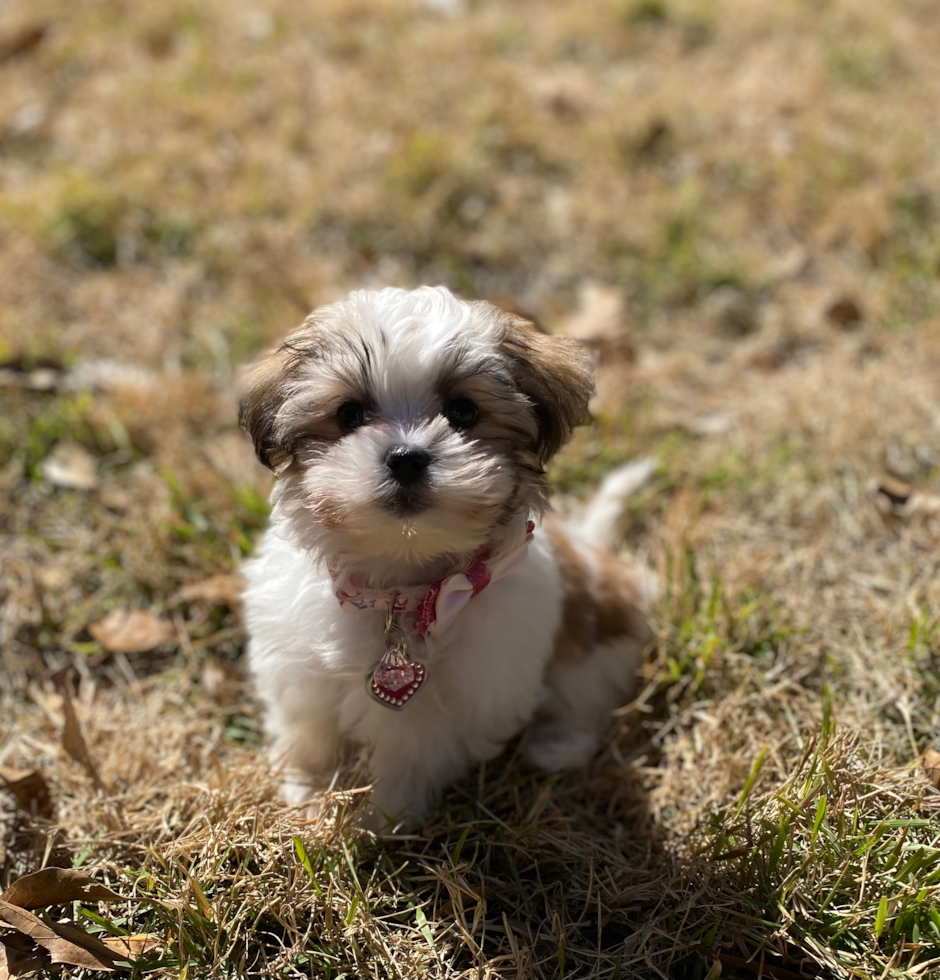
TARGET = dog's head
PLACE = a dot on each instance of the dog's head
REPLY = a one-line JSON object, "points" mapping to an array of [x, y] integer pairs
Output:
{"points": [[413, 424]]}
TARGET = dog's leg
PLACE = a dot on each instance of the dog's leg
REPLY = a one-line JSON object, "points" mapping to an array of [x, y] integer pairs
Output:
{"points": [[411, 769], [303, 773], [578, 700], [407, 783], [305, 744], [598, 648]]}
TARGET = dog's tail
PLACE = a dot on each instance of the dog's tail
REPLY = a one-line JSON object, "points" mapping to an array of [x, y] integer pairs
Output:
{"points": [[597, 526]]}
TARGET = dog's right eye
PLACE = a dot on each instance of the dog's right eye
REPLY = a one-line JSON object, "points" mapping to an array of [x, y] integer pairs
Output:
{"points": [[350, 416], [462, 413]]}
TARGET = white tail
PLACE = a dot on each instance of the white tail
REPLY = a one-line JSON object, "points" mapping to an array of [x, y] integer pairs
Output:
{"points": [[597, 526]]}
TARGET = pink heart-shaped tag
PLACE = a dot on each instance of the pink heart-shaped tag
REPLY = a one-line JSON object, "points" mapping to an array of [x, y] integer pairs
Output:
{"points": [[394, 685]]}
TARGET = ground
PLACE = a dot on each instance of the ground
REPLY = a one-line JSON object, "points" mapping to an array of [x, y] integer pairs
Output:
{"points": [[737, 204]]}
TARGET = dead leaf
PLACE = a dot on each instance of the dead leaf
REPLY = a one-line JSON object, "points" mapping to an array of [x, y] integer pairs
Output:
{"points": [[896, 491], [53, 577], [36, 944], [599, 315], [218, 589], [71, 467], [65, 944], [41, 379], [19, 956], [107, 374], [23, 41], [57, 886], [920, 503], [29, 789], [845, 313], [131, 631], [932, 766], [898, 497], [73, 741], [710, 424], [600, 322], [132, 947]]}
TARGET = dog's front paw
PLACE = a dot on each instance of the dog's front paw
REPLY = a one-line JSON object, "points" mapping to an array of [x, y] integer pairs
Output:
{"points": [[296, 791], [555, 747]]}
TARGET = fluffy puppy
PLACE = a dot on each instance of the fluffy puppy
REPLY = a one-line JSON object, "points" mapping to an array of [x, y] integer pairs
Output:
{"points": [[406, 601]]}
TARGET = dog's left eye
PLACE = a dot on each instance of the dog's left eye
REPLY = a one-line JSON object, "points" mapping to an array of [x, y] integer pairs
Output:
{"points": [[461, 413], [350, 416]]}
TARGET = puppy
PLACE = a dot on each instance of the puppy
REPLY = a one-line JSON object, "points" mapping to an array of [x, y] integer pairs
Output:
{"points": [[406, 601]]}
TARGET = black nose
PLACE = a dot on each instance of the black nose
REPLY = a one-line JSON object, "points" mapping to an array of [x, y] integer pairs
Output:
{"points": [[408, 465]]}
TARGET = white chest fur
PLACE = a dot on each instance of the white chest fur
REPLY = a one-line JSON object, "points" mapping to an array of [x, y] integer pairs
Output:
{"points": [[309, 658]]}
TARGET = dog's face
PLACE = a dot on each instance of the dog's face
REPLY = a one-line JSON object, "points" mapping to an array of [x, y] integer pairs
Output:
{"points": [[413, 424]]}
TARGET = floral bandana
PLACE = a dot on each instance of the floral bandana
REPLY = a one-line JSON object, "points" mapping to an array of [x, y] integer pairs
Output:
{"points": [[437, 605]]}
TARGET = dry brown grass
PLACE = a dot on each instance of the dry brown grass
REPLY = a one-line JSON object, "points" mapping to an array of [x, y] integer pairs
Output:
{"points": [[745, 198]]}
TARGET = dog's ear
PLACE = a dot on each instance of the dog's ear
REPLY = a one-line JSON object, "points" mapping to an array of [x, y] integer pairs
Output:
{"points": [[557, 375], [264, 392], [266, 386]]}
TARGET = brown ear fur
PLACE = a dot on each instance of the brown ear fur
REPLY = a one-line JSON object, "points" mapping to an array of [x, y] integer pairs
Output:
{"points": [[265, 389], [557, 375]]}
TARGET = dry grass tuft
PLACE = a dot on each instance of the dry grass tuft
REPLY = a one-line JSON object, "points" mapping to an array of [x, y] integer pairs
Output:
{"points": [[738, 204]]}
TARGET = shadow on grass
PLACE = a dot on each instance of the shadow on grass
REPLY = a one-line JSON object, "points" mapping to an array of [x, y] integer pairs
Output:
{"points": [[571, 875]]}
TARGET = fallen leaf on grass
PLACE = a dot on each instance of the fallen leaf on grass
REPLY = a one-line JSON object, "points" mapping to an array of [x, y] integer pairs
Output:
{"points": [[599, 315], [19, 956], [29, 789], [70, 467], [921, 503], [35, 944], [895, 491], [845, 313], [711, 424], [57, 886], [131, 631], [65, 944], [894, 496], [219, 589], [42, 379], [932, 766], [131, 947], [23, 41], [73, 741], [599, 320]]}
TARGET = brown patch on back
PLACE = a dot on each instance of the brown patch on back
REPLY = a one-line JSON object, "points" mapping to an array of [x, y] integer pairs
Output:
{"points": [[602, 599], [579, 617]]}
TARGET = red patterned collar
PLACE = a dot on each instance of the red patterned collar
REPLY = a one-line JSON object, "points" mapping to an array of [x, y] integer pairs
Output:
{"points": [[437, 605]]}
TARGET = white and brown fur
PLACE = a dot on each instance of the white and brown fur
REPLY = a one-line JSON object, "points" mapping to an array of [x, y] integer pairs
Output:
{"points": [[555, 644]]}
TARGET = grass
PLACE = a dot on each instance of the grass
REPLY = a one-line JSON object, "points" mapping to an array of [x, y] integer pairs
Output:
{"points": [[179, 185]]}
